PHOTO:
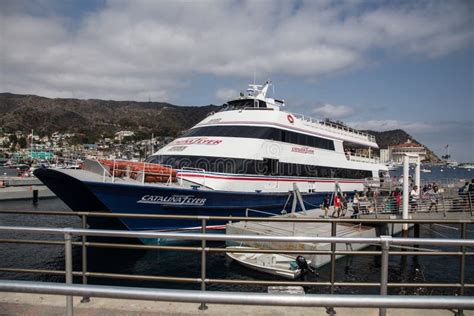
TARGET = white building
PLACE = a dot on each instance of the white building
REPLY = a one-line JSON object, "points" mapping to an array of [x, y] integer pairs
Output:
{"points": [[122, 134], [384, 155], [397, 152]]}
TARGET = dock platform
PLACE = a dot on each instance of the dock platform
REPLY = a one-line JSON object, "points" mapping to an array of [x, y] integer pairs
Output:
{"points": [[25, 192], [319, 229], [38, 304]]}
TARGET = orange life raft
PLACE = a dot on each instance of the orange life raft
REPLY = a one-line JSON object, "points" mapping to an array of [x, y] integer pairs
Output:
{"points": [[153, 172]]}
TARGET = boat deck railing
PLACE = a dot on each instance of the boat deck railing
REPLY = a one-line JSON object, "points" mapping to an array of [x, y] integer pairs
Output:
{"points": [[70, 238], [337, 128], [120, 171], [384, 203], [362, 158]]}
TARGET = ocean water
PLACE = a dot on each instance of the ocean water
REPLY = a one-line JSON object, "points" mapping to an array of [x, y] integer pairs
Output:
{"points": [[187, 264]]}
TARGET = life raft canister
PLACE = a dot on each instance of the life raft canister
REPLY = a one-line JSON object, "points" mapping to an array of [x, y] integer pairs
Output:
{"points": [[290, 118]]}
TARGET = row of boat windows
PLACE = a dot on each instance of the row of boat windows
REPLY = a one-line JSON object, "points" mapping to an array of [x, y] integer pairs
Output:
{"points": [[259, 132], [258, 167]]}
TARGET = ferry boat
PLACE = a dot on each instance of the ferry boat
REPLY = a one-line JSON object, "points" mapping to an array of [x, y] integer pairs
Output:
{"points": [[249, 155]]}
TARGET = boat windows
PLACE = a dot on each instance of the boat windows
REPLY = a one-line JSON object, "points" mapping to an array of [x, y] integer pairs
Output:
{"points": [[270, 167], [258, 167], [246, 103], [260, 132]]}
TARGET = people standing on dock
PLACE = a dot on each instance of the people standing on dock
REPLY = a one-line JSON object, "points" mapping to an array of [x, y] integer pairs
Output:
{"points": [[471, 187], [326, 204], [434, 196], [470, 192], [398, 199], [337, 205], [344, 204], [355, 205], [414, 196], [463, 193], [370, 199], [424, 197], [394, 181]]}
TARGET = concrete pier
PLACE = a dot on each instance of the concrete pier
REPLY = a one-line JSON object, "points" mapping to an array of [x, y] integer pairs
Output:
{"points": [[34, 304], [20, 181], [25, 192]]}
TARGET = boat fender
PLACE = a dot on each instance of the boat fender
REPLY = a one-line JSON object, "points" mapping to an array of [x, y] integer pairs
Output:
{"points": [[290, 118], [303, 265]]}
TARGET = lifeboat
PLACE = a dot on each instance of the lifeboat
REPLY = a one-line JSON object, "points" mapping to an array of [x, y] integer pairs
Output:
{"points": [[154, 173]]}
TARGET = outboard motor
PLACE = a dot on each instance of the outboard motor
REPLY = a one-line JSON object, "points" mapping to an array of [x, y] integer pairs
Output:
{"points": [[303, 265]]}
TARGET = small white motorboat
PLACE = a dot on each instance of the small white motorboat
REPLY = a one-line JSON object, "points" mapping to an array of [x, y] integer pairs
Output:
{"points": [[276, 264], [425, 170]]}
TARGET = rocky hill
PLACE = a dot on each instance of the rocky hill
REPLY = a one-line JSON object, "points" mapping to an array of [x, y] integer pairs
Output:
{"points": [[398, 136], [96, 117], [99, 117]]}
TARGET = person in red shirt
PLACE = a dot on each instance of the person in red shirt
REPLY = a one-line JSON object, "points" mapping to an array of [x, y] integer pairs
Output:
{"points": [[337, 205]]}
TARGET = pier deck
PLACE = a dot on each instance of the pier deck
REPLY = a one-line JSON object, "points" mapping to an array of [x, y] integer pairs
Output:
{"points": [[52, 305], [25, 192]]}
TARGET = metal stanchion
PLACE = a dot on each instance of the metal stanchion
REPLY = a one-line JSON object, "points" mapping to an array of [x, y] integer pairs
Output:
{"points": [[385, 240], [68, 268], [462, 266], [85, 299], [203, 305], [469, 198], [330, 310]]}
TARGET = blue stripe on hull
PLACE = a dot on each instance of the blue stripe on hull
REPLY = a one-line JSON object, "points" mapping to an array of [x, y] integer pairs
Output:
{"points": [[120, 198], [146, 199]]}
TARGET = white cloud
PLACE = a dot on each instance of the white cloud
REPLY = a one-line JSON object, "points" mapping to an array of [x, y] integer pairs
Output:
{"points": [[334, 111], [226, 94], [138, 49]]}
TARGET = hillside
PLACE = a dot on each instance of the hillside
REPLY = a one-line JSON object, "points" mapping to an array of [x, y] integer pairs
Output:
{"points": [[95, 117], [398, 136]]}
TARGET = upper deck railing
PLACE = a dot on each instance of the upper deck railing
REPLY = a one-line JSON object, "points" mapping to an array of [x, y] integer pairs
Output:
{"points": [[337, 128]]}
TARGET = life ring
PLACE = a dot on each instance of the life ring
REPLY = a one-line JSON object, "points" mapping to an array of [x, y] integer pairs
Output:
{"points": [[290, 118]]}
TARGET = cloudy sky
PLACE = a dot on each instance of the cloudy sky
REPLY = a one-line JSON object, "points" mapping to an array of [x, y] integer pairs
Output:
{"points": [[373, 64]]}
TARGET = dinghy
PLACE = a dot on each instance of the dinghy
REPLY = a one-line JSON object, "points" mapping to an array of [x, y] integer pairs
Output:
{"points": [[276, 264]]}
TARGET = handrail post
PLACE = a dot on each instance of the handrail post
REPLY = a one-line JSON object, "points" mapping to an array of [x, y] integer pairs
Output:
{"points": [[203, 263], [469, 197], [143, 174], [113, 172], [385, 243], [462, 266], [85, 299], [330, 310], [68, 268]]}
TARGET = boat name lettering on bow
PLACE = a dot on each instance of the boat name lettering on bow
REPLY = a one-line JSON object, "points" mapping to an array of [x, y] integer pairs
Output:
{"points": [[302, 150], [172, 200], [197, 141]]}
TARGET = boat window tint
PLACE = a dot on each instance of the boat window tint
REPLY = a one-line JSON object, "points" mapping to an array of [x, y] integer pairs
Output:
{"points": [[258, 167], [246, 103], [260, 132]]}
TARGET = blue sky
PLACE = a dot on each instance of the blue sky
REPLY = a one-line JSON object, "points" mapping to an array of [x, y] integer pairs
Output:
{"points": [[374, 64]]}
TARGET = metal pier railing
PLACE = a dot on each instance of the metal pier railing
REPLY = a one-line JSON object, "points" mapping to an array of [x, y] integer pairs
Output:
{"points": [[384, 242]]}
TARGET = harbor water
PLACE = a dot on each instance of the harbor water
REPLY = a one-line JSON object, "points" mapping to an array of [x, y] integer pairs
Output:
{"points": [[173, 263]]}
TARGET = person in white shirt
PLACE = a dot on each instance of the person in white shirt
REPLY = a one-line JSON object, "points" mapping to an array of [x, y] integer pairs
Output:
{"points": [[414, 196]]}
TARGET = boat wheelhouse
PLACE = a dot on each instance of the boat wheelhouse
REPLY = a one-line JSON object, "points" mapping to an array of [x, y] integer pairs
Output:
{"points": [[251, 154]]}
